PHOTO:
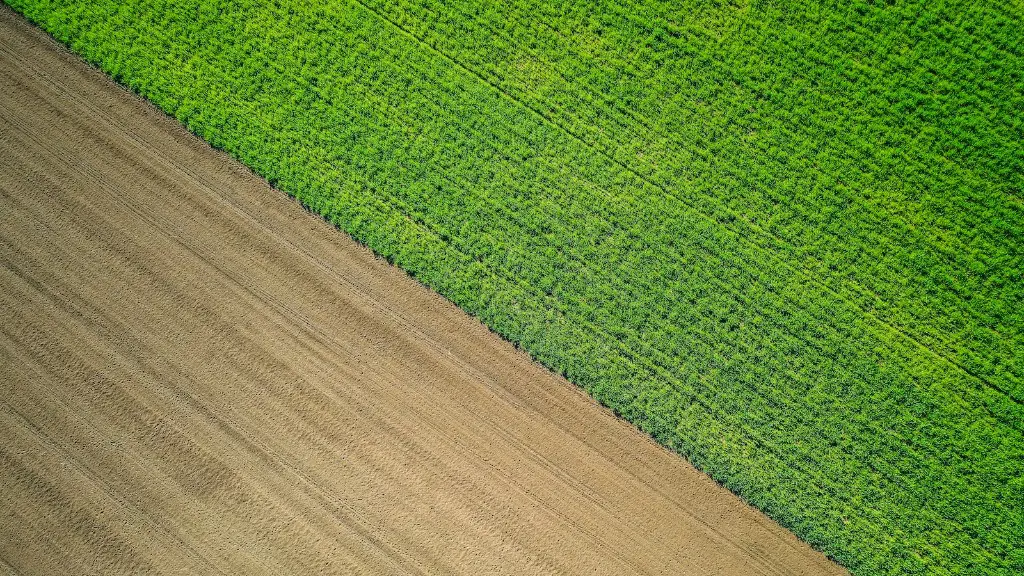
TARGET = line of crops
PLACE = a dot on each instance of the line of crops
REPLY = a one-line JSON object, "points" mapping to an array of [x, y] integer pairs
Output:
{"points": [[786, 243], [890, 168]]}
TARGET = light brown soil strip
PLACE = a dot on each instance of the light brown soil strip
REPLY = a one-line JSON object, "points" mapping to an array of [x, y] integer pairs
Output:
{"points": [[197, 376]]}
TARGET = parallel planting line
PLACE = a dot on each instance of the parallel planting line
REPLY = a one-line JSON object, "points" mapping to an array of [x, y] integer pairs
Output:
{"points": [[696, 208]]}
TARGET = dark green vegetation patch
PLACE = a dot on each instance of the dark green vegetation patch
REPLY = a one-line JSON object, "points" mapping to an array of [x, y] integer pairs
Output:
{"points": [[785, 240]]}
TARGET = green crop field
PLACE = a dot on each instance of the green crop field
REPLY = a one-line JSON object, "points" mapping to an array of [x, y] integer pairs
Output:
{"points": [[785, 239]]}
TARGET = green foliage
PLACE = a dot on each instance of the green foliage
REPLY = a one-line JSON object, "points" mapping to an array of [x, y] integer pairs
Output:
{"points": [[787, 240]]}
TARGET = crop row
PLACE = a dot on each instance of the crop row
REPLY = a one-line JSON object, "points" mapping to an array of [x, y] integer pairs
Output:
{"points": [[891, 175]]}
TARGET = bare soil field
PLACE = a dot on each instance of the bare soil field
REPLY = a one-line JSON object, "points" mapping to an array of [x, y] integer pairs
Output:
{"points": [[198, 377]]}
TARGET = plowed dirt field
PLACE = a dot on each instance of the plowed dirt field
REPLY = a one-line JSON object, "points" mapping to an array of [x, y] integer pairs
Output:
{"points": [[198, 376]]}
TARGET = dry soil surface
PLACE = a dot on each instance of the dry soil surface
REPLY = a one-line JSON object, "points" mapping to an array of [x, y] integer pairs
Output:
{"points": [[197, 376]]}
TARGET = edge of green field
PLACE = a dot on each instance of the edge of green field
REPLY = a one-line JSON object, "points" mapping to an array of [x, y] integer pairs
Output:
{"points": [[786, 242]]}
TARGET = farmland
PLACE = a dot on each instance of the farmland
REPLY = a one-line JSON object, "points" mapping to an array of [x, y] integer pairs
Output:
{"points": [[787, 243], [199, 377]]}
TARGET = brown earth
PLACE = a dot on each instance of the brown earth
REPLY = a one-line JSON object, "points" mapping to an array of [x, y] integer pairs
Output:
{"points": [[197, 376]]}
